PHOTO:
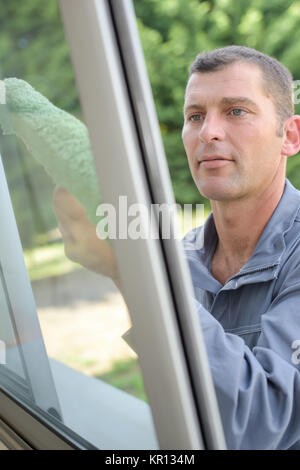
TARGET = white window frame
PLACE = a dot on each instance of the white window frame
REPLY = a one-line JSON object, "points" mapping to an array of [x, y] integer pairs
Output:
{"points": [[159, 330]]}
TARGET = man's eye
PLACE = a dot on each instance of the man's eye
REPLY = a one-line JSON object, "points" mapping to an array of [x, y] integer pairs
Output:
{"points": [[195, 117], [237, 112]]}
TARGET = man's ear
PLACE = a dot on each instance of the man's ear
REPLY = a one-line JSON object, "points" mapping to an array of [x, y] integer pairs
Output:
{"points": [[291, 142]]}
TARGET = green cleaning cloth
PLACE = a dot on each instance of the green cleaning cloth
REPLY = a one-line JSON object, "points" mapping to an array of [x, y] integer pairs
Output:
{"points": [[58, 140]]}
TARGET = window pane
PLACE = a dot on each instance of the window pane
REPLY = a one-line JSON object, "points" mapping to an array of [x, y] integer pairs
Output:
{"points": [[8, 335], [78, 315]]}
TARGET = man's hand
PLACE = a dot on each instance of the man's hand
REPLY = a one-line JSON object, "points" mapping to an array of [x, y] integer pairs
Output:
{"points": [[81, 242]]}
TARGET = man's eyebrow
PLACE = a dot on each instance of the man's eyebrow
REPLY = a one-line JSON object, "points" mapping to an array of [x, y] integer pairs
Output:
{"points": [[239, 100], [193, 106], [229, 101]]}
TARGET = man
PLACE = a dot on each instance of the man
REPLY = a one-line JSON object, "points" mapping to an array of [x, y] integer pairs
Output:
{"points": [[239, 128]]}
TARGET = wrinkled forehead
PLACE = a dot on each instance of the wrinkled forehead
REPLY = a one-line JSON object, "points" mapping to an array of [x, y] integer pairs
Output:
{"points": [[239, 79]]}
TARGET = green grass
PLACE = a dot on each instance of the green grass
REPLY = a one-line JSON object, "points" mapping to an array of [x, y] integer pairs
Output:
{"points": [[47, 261], [126, 375]]}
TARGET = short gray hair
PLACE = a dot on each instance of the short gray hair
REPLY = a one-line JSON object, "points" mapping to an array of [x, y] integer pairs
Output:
{"points": [[277, 80]]}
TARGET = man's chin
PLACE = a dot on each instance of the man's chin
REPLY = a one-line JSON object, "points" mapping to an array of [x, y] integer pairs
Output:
{"points": [[216, 191]]}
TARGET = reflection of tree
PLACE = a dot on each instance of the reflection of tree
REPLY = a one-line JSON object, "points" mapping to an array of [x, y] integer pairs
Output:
{"points": [[30, 191], [32, 47]]}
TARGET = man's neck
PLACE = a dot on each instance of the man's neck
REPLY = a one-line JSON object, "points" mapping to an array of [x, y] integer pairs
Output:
{"points": [[239, 225]]}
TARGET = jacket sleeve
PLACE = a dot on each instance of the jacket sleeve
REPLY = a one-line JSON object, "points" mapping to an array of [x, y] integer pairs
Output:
{"points": [[258, 391]]}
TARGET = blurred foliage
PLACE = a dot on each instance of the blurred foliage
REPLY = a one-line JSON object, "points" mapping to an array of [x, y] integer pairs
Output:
{"points": [[33, 48], [173, 32]]}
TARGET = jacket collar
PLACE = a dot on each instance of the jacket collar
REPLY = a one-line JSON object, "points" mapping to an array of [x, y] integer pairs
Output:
{"points": [[267, 254], [271, 244]]}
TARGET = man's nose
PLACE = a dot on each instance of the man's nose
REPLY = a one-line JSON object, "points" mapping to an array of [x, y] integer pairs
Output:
{"points": [[212, 128]]}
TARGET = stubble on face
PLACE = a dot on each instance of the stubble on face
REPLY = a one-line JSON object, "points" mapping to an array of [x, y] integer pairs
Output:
{"points": [[249, 142]]}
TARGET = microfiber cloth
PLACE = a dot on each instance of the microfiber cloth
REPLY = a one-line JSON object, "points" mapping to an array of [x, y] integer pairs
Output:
{"points": [[57, 140]]}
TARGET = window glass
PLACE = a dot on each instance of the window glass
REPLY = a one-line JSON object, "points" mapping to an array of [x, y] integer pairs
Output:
{"points": [[8, 335], [78, 316]]}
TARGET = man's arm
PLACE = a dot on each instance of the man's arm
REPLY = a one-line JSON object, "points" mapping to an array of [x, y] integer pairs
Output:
{"points": [[80, 239], [259, 392]]}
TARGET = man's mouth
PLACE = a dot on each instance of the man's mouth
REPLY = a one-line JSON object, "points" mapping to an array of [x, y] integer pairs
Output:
{"points": [[213, 161], [209, 158]]}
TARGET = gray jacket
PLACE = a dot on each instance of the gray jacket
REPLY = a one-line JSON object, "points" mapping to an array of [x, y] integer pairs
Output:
{"points": [[251, 328]]}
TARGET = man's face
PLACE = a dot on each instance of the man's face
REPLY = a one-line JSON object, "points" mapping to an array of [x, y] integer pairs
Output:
{"points": [[230, 133]]}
